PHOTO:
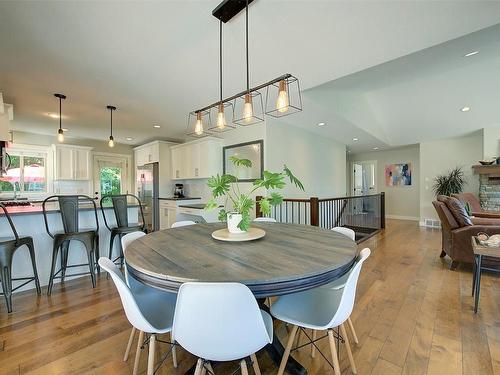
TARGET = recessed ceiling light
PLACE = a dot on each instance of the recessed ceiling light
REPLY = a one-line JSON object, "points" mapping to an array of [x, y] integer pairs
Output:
{"points": [[471, 54], [129, 139], [321, 124], [156, 126], [375, 148], [53, 115], [355, 139], [465, 109]]}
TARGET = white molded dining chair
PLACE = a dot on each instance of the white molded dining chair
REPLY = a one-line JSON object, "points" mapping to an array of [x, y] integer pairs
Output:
{"points": [[346, 232], [220, 322], [148, 313], [135, 286], [183, 223], [321, 309], [340, 282], [264, 220]]}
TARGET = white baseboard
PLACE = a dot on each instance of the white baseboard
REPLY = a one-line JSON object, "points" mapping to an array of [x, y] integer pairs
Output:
{"points": [[400, 217]]}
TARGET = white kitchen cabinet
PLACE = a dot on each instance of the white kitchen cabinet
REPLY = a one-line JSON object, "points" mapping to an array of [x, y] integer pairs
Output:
{"points": [[72, 163], [149, 153], [169, 210], [197, 159], [82, 164], [156, 152], [177, 157]]}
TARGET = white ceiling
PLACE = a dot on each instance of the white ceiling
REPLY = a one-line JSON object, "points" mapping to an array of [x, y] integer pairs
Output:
{"points": [[419, 97], [157, 60]]}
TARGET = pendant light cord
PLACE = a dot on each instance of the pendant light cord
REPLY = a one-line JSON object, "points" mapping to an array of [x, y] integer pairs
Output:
{"points": [[220, 58], [248, 75], [60, 113], [111, 110]]}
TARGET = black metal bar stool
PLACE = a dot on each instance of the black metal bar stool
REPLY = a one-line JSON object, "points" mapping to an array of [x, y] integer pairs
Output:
{"points": [[70, 207], [120, 204], [8, 247]]}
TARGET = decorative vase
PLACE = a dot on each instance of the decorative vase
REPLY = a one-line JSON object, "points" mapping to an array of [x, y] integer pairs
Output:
{"points": [[233, 219]]}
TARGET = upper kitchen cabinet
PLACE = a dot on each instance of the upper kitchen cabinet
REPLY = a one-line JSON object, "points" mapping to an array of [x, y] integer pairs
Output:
{"points": [[72, 163], [148, 153], [157, 152], [198, 159]]}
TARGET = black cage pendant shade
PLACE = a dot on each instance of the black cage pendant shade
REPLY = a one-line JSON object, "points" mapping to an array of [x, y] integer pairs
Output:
{"points": [[60, 132], [198, 123], [283, 97]]}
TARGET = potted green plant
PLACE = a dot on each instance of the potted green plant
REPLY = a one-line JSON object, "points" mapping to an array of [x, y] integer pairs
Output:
{"points": [[239, 204], [451, 183]]}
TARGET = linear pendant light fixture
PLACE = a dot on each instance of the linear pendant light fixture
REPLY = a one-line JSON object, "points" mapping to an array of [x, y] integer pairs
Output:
{"points": [[60, 132], [282, 93], [111, 142]]}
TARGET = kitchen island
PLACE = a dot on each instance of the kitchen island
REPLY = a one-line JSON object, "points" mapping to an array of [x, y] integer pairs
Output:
{"points": [[29, 221]]}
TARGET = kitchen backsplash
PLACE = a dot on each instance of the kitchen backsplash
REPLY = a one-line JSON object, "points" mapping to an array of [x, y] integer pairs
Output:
{"points": [[72, 187]]}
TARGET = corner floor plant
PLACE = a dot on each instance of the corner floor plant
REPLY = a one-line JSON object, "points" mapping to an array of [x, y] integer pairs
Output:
{"points": [[242, 203]]}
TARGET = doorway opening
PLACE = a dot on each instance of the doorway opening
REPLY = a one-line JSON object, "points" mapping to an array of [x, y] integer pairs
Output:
{"points": [[110, 175]]}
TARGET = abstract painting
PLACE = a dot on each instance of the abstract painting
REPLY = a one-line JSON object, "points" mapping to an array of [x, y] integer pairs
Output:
{"points": [[398, 174]]}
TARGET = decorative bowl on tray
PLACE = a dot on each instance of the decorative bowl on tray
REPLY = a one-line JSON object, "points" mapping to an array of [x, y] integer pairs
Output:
{"points": [[486, 162]]}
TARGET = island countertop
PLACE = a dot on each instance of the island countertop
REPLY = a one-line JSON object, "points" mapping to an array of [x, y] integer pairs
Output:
{"points": [[51, 207]]}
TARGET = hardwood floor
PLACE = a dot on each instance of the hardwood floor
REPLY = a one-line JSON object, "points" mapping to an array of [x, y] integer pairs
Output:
{"points": [[412, 316]]}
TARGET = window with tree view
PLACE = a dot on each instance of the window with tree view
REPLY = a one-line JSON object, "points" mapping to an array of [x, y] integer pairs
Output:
{"points": [[111, 179], [27, 173]]}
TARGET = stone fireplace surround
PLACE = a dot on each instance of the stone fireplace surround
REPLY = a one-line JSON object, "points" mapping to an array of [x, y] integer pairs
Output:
{"points": [[489, 186]]}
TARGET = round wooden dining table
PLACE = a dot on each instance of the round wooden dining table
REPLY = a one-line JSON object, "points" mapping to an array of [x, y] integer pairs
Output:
{"points": [[288, 259]]}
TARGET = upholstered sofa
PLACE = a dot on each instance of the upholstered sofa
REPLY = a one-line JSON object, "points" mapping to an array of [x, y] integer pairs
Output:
{"points": [[457, 228]]}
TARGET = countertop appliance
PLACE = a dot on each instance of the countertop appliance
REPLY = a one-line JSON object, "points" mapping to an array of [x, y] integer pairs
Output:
{"points": [[147, 191], [179, 191]]}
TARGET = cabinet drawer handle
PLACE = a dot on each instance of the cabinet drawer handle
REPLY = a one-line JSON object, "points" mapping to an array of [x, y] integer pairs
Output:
{"points": [[196, 172]]}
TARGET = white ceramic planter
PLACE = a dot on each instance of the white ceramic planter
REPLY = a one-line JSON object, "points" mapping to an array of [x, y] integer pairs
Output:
{"points": [[233, 219]]}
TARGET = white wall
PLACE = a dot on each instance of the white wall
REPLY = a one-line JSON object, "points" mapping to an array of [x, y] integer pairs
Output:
{"points": [[320, 163], [491, 142], [439, 157], [401, 202]]}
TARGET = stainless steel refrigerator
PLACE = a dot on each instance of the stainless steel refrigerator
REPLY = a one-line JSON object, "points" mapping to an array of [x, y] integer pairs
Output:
{"points": [[147, 190]]}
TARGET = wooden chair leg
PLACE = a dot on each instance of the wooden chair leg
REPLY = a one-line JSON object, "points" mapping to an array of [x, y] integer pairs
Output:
{"points": [[138, 352], [243, 366], [199, 365], [313, 348], [351, 327], [210, 368], [255, 364], [333, 349], [151, 354], [174, 356], [288, 348], [299, 335], [129, 344], [348, 349]]}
